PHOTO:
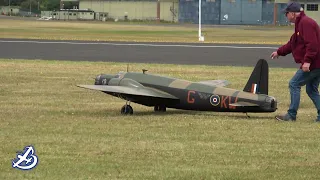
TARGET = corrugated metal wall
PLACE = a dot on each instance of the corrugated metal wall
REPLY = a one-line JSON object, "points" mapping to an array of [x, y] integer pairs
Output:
{"points": [[118, 9], [188, 11], [230, 12], [249, 12], [169, 11], [145, 10], [268, 13], [241, 11]]}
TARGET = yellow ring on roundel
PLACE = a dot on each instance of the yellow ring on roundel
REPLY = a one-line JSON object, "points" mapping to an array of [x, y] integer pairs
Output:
{"points": [[215, 100]]}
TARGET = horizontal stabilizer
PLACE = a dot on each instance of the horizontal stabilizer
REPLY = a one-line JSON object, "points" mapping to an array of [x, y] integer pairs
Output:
{"points": [[244, 104], [148, 92], [215, 82]]}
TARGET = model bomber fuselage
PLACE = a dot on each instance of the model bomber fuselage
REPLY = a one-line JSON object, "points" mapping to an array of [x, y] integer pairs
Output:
{"points": [[166, 92]]}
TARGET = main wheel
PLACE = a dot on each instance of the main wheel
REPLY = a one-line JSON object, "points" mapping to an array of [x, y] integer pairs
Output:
{"points": [[156, 108], [126, 109], [160, 108]]}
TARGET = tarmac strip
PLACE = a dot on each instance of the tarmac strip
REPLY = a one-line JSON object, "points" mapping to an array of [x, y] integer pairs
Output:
{"points": [[131, 52]]}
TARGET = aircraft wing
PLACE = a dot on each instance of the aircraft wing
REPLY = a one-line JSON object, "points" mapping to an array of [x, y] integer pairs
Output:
{"points": [[138, 91], [244, 104], [215, 82]]}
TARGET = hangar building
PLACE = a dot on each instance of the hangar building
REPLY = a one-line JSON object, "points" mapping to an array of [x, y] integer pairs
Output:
{"points": [[213, 11]]}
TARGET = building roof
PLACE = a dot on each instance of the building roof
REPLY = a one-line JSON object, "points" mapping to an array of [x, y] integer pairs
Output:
{"points": [[75, 10]]}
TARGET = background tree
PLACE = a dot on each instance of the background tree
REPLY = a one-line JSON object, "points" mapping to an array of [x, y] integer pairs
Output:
{"points": [[44, 5]]}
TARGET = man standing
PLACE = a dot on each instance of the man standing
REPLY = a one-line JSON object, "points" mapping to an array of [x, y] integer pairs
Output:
{"points": [[304, 45]]}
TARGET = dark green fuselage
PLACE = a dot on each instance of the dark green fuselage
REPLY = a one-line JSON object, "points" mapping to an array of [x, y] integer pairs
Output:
{"points": [[191, 95]]}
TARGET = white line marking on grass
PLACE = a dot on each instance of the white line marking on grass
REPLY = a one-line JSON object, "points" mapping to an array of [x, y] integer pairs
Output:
{"points": [[139, 44]]}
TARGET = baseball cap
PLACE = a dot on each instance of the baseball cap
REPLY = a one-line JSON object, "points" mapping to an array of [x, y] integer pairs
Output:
{"points": [[292, 7]]}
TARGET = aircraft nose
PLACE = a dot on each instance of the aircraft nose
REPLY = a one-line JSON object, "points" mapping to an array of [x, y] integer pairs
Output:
{"points": [[97, 80]]}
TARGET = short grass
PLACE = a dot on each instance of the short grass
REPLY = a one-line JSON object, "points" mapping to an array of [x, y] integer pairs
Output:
{"points": [[80, 134], [102, 31]]}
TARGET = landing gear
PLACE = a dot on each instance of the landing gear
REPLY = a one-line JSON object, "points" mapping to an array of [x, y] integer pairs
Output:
{"points": [[160, 108], [126, 109]]}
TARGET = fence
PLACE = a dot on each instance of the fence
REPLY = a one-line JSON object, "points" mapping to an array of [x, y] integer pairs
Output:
{"points": [[28, 13]]}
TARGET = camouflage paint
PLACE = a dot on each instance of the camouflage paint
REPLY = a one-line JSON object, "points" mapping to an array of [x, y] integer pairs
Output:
{"points": [[152, 90]]}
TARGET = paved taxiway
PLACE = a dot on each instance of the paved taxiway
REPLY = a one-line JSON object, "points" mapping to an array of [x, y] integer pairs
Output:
{"points": [[172, 53]]}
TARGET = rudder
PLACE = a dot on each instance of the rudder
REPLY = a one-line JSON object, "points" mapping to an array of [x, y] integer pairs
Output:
{"points": [[259, 79]]}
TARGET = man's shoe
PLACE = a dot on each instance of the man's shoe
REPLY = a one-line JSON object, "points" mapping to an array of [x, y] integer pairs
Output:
{"points": [[285, 117], [317, 120]]}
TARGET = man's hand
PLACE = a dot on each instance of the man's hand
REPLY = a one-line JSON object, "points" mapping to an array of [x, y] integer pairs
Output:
{"points": [[274, 55], [305, 67]]}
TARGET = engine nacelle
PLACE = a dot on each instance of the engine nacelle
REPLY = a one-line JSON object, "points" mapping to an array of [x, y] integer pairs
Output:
{"points": [[130, 83], [111, 80], [103, 79], [114, 82]]}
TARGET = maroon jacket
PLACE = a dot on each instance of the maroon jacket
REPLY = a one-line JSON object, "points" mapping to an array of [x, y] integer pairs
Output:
{"points": [[304, 44]]}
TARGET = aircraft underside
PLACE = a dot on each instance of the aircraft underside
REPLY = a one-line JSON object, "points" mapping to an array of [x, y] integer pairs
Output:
{"points": [[188, 100]]}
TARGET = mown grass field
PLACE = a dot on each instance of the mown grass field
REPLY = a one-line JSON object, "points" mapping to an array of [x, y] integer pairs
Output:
{"points": [[111, 31], [80, 134]]}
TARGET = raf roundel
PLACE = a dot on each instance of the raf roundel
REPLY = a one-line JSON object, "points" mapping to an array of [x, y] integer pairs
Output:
{"points": [[214, 100]]}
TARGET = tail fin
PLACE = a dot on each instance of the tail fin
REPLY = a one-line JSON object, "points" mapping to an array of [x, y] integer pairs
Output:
{"points": [[259, 79]]}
